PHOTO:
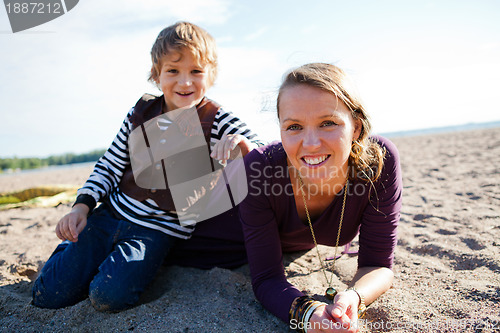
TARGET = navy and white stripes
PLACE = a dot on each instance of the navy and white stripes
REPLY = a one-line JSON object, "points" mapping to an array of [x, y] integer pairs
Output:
{"points": [[104, 180]]}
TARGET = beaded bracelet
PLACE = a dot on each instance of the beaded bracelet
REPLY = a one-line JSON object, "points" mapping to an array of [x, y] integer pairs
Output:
{"points": [[301, 311], [298, 306], [298, 309], [309, 312]]}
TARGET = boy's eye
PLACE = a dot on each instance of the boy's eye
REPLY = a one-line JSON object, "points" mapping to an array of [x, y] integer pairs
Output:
{"points": [[293, 127], [197, 71], [172, 70]]}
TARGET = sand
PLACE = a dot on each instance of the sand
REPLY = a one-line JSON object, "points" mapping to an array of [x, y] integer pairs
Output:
{"points": [[447, 267]]}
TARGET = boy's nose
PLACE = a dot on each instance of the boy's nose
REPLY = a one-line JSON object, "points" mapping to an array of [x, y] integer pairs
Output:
{"points": [[185, 80]]}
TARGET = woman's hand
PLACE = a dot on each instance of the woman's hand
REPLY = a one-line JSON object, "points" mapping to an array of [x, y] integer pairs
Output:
{"points": [[341, 316], [224, 149], [70, 226]]}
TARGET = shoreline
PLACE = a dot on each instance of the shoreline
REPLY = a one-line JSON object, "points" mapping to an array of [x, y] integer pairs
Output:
{"points": [[9, 172], [390, 135], [441, 130]]}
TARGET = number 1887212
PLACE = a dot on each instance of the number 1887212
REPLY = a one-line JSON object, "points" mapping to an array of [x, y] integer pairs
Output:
{"points": [[34, 8]]}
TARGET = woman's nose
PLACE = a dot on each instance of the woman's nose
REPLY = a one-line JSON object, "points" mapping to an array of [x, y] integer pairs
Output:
{"points": [[311, 139]]}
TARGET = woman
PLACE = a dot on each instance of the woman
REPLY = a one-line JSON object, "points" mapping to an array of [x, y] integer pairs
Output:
{"points": [[326, 181]]}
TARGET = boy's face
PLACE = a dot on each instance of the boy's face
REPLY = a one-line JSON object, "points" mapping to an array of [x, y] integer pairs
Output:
{"points": [[183, 80]]}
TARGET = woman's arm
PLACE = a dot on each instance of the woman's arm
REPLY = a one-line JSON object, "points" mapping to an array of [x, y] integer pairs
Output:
{"points": [[371, 282], [377, 240], [262, 239]]}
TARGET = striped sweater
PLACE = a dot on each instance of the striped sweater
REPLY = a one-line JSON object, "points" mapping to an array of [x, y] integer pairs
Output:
{"points": [[102, 185]]}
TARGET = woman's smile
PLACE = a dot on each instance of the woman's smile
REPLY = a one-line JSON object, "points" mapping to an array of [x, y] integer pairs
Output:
{"points": [[315, 161]]}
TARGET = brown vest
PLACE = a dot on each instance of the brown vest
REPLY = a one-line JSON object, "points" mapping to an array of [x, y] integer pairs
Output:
{"points": [[149, 107]]}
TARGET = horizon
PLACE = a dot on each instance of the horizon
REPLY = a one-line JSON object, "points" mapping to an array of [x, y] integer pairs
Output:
{"points": [[68, 84], [471, 126]]}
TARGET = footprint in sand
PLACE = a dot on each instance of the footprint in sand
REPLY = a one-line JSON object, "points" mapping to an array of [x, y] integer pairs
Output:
{"points": [[421, 217], [446, 232], [473, 244], [472, 196]]}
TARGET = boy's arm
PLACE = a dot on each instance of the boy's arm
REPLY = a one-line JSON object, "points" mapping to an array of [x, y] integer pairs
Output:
{"points": [[228, 131], [108, 170], [70, 226], [224, 148]]}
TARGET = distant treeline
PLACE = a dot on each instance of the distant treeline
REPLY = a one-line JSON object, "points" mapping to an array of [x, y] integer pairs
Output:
{"points": [[35, 162]]}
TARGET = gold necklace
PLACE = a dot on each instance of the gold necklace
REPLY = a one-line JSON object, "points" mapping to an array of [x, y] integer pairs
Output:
{"points": [[330, 291]]}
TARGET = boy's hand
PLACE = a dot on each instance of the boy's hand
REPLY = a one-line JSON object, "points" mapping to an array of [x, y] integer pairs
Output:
{"points": [[227, 144], [70, 226]]}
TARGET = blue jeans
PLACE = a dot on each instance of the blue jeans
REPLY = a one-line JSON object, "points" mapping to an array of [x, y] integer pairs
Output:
{"points": [[112, 263]]}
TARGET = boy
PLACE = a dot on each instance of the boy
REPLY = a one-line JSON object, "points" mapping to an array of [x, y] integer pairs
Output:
{"points": [[110, 254]]}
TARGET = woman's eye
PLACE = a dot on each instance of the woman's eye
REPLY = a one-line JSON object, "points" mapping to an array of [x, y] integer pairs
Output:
{"points": [[327, 123], [293, 127]]}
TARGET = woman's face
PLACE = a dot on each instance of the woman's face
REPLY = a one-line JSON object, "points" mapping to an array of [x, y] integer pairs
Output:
{"points": [[317, 131]]}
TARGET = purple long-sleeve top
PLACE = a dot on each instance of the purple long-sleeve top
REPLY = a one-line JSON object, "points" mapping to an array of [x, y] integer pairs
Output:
{"points": [[271, 224]]}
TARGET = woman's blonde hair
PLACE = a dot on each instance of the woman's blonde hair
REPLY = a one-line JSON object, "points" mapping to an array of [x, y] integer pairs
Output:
{"points": [[367, 156], [184, 35]]}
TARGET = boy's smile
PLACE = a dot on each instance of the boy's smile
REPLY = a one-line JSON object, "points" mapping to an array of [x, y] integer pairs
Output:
{"points": [[183, 80]]}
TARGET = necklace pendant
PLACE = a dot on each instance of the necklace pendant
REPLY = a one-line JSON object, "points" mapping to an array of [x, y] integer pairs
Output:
{"points": [[330, 293]]}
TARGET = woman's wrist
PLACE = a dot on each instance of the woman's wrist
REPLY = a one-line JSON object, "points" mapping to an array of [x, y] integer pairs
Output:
{"points": [[309, 312], [301, 311], [361, 304]]}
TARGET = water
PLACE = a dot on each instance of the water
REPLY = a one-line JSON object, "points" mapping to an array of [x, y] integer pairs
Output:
{"points": [[445, 129], [417, 132], [48, 168]]}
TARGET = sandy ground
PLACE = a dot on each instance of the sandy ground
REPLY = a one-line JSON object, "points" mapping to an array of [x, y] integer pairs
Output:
{"points": [[447, 265]]}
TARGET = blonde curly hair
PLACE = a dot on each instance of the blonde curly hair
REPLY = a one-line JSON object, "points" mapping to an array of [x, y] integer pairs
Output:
{"points": [[184, 35]]}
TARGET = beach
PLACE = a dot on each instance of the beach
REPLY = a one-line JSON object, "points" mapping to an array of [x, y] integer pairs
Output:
{"points": [[447, 263]]}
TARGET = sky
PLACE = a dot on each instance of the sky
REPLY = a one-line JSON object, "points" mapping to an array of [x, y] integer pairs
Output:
{"points": [[67, 85]]}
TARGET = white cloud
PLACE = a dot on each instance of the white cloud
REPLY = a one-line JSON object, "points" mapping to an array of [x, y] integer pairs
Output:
{"points": [[247, 85], [256, 34], [309, 29], [423, 97], [138, 14]]}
